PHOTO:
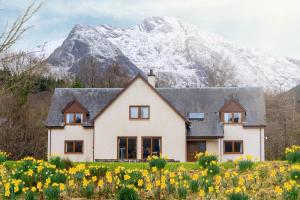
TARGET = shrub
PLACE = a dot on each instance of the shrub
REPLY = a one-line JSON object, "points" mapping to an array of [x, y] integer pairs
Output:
{"points": [[126, 193], [291, 193], [205, 159], [237, 196], [293, 154], [29, 195], [3, 156], [158, 162]]}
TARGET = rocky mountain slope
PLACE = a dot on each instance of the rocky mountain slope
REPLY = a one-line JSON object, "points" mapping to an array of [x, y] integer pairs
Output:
{"points": [[175, 50]]}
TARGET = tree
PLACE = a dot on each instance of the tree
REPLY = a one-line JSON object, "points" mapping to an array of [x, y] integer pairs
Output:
{"points": [[220, 72], [14, 32], [114, 77]]}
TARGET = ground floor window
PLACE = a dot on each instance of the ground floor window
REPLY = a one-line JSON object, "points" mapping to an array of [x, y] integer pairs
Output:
{"points": [[127, 148], [151, 146], [233, 146], [74, 146]]}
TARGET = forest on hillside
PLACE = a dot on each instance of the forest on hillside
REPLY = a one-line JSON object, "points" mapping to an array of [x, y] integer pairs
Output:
{"points": [[26, 92]]}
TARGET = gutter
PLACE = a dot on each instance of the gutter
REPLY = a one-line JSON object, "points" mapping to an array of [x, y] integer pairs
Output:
{"points": [[260, 144]]}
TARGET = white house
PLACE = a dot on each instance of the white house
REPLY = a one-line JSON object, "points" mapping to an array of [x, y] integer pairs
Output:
{"points": [[95, 124]]}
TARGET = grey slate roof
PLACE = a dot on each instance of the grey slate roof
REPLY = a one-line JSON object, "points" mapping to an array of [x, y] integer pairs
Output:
{"points": [[185, 100]]}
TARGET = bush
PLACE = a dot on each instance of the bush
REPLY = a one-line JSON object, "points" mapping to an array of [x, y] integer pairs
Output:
{"points": [[237, 196], [158, 162], [293, 154], [126, 193], [205, 159]]}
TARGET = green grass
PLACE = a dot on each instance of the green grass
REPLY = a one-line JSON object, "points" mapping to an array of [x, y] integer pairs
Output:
{"points": [[139, 165]]}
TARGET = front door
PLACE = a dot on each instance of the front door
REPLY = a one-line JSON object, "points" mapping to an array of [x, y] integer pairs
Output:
{"points": [[194, 147]]}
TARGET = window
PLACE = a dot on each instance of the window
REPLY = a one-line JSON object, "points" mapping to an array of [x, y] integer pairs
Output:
{"points": [[196, 116], [73, 146], [234, 147], [74, 118], [139, 112], [127, 148], [151, 146], [232, 118]]}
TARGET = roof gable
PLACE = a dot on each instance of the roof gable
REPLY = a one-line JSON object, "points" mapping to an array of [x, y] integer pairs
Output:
{"points": [[232, 105], [139, 76], [74, 106]]}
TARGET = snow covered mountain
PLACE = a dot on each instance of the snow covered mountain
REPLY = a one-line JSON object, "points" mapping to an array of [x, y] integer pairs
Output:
{"points": [[175, 50]]}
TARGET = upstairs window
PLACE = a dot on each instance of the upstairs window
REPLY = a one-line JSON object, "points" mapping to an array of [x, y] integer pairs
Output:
{"points": [[139, 112], [74, 118], [73, 146], [196, 116], [232, 118]]}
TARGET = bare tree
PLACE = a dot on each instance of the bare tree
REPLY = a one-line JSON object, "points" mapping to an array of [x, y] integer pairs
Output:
{"points": [[114, 77], [89, 71], [15, 31], [220, 72], [283, 128]]}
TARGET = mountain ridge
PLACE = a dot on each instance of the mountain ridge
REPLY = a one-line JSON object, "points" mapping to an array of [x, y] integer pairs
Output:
{"points": [[175, 50]]}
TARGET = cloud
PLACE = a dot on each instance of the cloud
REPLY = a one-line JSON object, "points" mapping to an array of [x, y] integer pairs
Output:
{"points": [[270, 25]]}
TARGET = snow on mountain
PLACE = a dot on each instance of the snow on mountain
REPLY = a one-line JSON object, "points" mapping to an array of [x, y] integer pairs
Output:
{"points": [[176, 50]]}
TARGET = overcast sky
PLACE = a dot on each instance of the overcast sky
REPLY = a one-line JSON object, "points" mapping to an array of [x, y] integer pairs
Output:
{"points": [[272, 26]]}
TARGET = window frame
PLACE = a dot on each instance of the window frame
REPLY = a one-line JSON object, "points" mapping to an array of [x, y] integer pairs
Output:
{"points": [[139, 107], [232, 118], [74, 118], [150, 137], [233, 146], [74, 142], [126, 137]]}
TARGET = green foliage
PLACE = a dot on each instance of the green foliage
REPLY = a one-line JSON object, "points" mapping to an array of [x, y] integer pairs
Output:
{"points": [[58, 178], [88, 191], [194, 186], [3, 157], [52, 193], [263, 172], [245, 165], [29, 195], [293, 157], [295, 174], [77, 83], [58, 162], [213, 169], [237, 196], [182, 192], [293, 194], [127, 194], [206, 160], [158, 162]]}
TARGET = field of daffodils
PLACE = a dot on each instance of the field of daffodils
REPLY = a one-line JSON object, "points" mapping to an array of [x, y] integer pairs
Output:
{"points": [[58, 178]]}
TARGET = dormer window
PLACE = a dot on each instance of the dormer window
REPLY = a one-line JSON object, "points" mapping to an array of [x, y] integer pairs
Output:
{"points": [[230, 118], [232, 112], [75, 113], [74, 118]]}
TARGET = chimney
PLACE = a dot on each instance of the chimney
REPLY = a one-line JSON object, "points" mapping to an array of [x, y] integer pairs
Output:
{"points": [[151, 78]]}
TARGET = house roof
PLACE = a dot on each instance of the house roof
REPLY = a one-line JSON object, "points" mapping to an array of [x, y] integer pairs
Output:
{"points": [[184, 100]]}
